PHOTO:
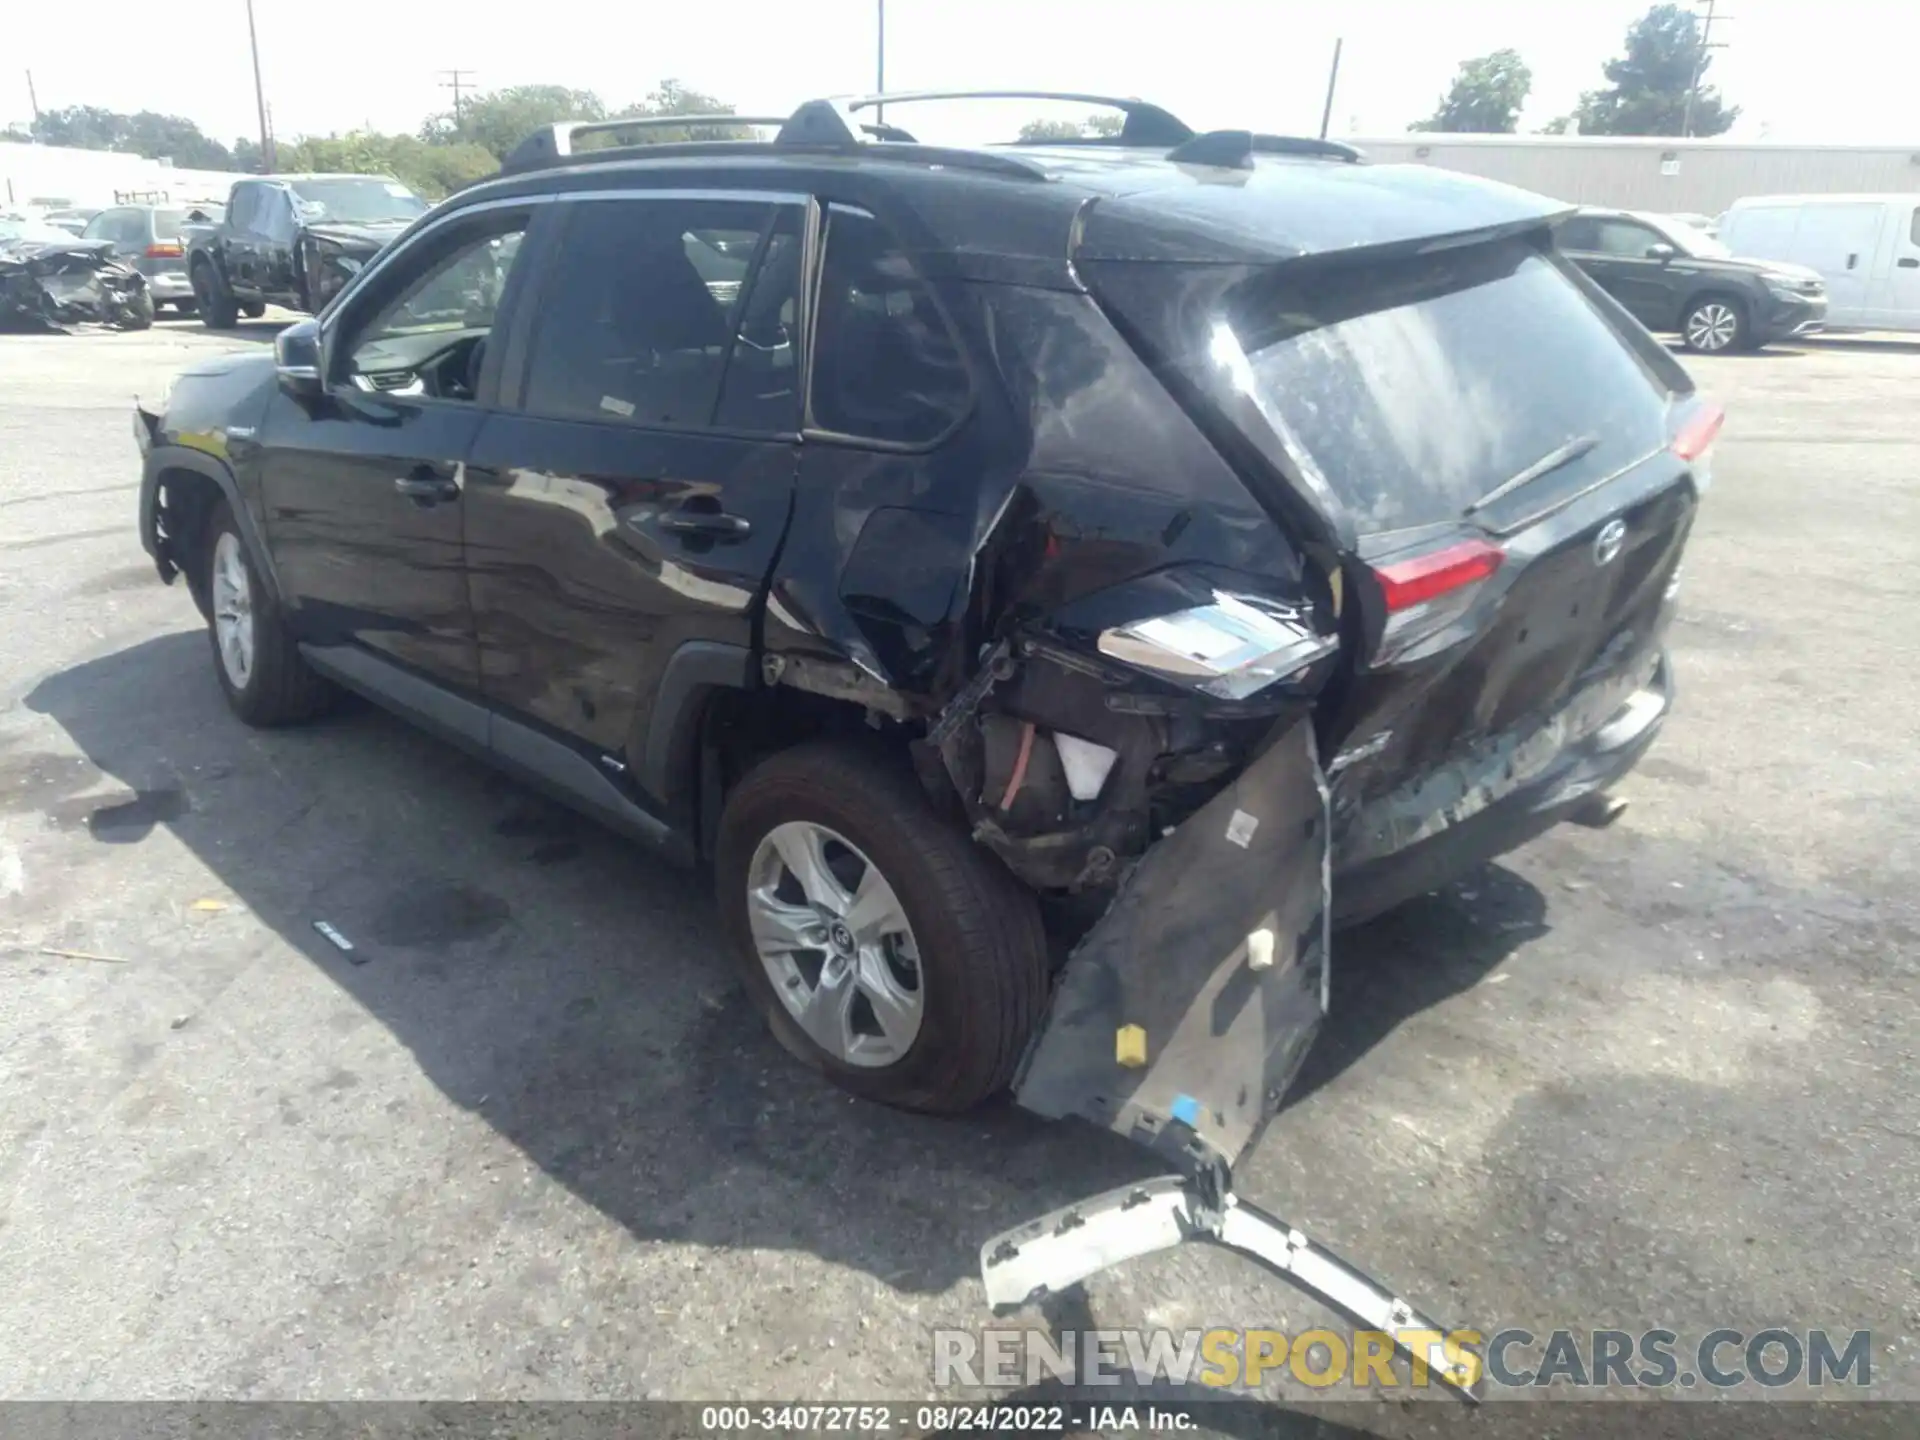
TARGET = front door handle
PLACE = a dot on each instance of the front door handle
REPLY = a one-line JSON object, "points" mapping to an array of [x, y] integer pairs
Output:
{"points": [[1853, 260], [426, 485], [707, 524], [1907, 262]]}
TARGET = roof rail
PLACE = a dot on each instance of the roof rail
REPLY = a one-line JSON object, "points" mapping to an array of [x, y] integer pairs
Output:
{"points": [[555, 142], [1235, 149], [1146, 123], [817, 125]]}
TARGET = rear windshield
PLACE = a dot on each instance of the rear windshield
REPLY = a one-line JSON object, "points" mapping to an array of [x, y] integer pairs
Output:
{"points": [[1417, 387]]}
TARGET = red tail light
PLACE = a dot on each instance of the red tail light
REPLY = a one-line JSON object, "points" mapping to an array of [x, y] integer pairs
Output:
{"points": [[1697, 435], [164, 249], [1407, 583]]}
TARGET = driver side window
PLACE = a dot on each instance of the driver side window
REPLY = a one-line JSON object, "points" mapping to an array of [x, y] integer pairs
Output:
{"points": [[1625, 240], [427, 333]]}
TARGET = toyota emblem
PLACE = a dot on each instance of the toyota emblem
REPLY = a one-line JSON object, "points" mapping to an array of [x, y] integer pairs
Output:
{"points": [[1608, 544]]}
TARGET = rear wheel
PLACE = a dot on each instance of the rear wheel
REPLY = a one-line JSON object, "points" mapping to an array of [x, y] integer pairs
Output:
{"points": [[212, 299], [882, 946], [1715, 324], [260, 669]]}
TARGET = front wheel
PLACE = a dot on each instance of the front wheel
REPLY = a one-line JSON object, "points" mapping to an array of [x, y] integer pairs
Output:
{"points": [[137, 313], [881, 944], [1715, 325], [213, 300], [253, 309], [260, 668]]}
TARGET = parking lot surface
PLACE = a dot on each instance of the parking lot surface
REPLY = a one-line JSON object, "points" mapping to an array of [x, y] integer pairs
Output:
{"points": [[536, 1145]]}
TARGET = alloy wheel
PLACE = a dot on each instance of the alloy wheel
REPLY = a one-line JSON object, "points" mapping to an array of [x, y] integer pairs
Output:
{"points": [[1712, 326], [836, 944], [233, 609]]}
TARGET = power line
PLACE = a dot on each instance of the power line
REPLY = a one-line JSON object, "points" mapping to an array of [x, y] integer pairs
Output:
{"points": [[456, 81], [1700, 64]]}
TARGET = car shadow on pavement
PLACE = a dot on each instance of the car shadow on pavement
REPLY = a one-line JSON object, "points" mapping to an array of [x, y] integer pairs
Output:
{"points": [[569, 988]]}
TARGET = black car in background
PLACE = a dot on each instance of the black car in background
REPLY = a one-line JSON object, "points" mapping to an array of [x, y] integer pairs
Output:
{"points": [[293, 241], [1676, 278], [1179, 543]]}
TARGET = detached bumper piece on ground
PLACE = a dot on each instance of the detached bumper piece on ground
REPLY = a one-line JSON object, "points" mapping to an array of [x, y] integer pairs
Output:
{"points": [[1076, 1242]]}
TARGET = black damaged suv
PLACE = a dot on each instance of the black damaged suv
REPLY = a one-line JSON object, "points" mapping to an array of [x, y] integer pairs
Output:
{"points": [[1051, 585]]}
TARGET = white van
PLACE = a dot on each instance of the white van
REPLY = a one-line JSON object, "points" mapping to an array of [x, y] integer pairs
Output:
{"points": [[1867, 247]]}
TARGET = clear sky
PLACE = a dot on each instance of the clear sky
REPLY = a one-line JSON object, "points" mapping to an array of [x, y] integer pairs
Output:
{"points": [[1809, 70]]}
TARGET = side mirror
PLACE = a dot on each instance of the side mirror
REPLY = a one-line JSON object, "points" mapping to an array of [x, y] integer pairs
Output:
{"points": [[1661, 252], [296, 358]]}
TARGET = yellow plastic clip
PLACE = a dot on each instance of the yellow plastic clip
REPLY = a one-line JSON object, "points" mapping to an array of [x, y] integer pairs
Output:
{"points": [[1130, 1046]]}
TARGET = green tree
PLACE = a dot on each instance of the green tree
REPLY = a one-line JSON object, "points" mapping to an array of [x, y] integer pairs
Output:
{"points": [[671, 97], [500, 119], [1049, 130], [1647, 93], [156, 136], [1106, 123], [1486, 97], [431, 170]]}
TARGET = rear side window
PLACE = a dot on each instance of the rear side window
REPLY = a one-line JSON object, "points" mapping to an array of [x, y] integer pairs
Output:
{"points": [[241, 206], [1417, 386], [637, 320], [885, 364]]}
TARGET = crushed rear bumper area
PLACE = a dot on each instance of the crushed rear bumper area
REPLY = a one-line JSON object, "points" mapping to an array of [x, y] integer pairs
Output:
{"points": [[1179, 1022], [1535, 805], [1182, 1015]]}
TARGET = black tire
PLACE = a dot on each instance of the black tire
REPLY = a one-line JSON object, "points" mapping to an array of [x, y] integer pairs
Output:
{"points": [[138, 313], [278, 688], [1705, 332], [218, 310], [185, 307], [253, 309], [983, 962]]}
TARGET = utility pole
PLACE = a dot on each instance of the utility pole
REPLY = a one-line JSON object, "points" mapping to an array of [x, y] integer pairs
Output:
{"points": [[457, 81], [267, 166], [880, 65], [1333, 79], [1700, 65], [33, 99]]}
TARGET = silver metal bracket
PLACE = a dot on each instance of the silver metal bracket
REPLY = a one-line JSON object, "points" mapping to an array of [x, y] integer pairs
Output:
{"points": [[1066, 1247]]}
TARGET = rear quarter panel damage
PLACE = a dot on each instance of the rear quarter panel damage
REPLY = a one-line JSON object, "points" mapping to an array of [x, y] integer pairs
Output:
{"points": [[1183, 1014]]}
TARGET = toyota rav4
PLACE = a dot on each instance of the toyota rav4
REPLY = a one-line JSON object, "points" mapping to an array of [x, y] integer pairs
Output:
{"points": [[1050, 585]]}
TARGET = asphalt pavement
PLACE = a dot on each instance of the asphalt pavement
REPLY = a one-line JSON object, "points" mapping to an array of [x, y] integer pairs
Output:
{"points": [[529, 1142]]}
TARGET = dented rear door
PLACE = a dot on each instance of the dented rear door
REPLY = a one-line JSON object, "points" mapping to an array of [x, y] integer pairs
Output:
{"points": [[1184, 1013]]}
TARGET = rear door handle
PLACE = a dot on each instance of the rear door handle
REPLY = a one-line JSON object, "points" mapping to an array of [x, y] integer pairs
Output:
{"points": [[1907, 262], [1853, 260], [428, 485], [707, 524]]}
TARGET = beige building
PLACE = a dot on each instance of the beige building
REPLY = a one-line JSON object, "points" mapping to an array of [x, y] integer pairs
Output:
{"points": [[1664, 174]]}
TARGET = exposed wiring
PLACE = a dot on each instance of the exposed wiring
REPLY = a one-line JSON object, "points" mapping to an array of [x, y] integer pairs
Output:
{"points": [[1019, 775]]}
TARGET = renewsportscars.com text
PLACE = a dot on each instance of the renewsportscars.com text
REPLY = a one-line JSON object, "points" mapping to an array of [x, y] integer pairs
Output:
{"points": [[1512, 1359]]}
